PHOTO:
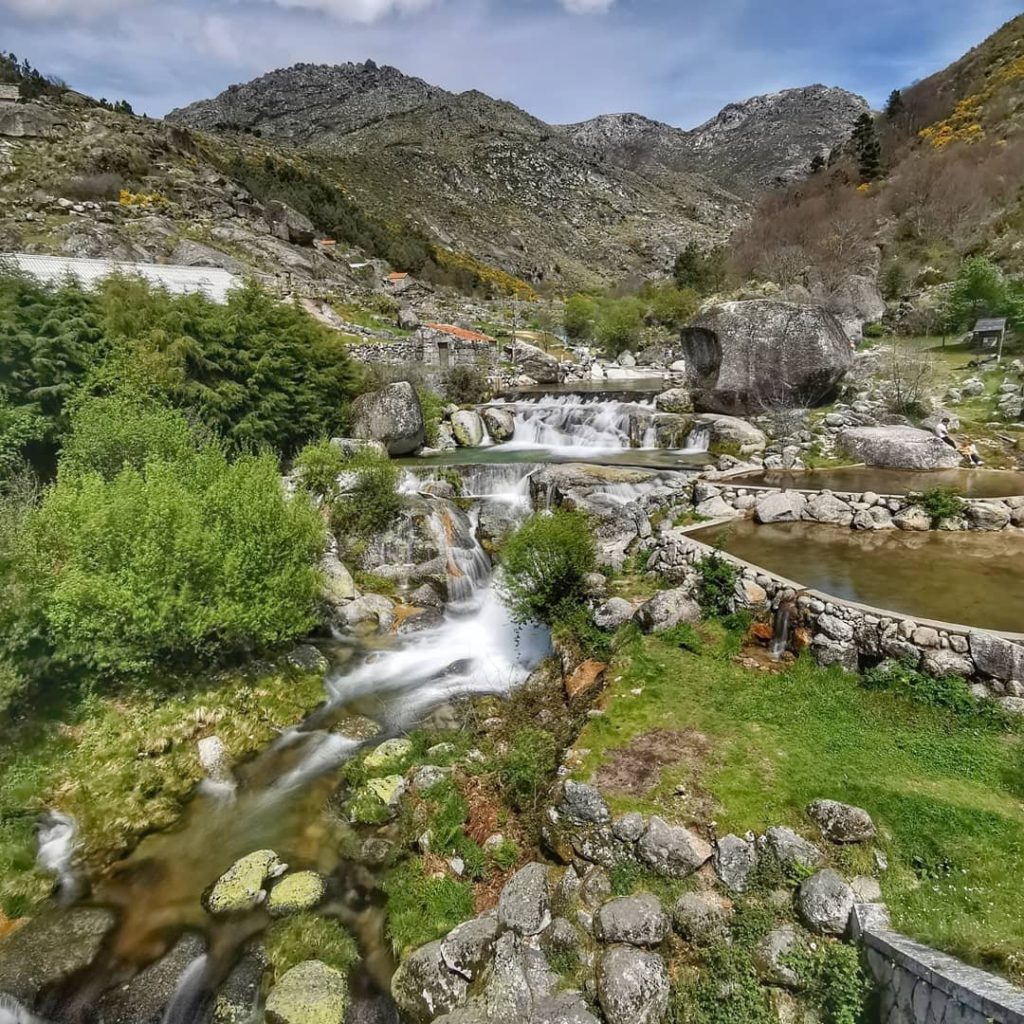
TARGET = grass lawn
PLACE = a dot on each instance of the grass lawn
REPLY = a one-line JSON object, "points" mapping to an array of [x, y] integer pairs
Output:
{"points": [[947, 798], [122, 763]]}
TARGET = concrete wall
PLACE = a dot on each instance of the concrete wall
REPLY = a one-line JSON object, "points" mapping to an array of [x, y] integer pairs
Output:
{"points": [[846, 633], [919, 985]]}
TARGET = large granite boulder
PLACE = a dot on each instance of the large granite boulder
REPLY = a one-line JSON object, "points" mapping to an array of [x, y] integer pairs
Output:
{"points": [[825, 902], [898, 448], [392, 416], [763, 353], [289, 225], [842, 823], [500, 423], [666, 610], [310, 993], [468, 428], [424, 987], [524, 906], [996, 657], [632, 986], [731, 430], [535, 363], [672, 851], [633, 920]]}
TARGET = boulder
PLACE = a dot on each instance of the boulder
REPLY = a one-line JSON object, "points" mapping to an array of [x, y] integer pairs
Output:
{"points": [[875, 518], [468, 428], [214, 759], [779, 507], [701, 918], [310, 993], [672, 850], [731, 430], [635, 920], [996, 657], [388, 756], [500, 423], [825, 902], [717, 508], [306, 658], [408, 319], [842, 823], [628, 828], [772, 954], [524, 906], [943, 662], [301, 890], [898, 448], [667, 609], [613, 613], [26, 121], [423, 987], [467, 948], [790, 850], [339, 587], [392, 416], [632, 986], [745, 356], [988, 515], [735, 860], [287, 224], [582, 803], [913, 520], [562, 1008], [535, 363], [241, 887], [369, 613], [827, 508], [587, 678], [676, 400]]}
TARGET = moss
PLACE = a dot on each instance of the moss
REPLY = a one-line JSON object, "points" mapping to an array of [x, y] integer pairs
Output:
{"points": [[421, 907], [240, 887], [310, 993], [389, 755], [301, 890], [306, 936]]}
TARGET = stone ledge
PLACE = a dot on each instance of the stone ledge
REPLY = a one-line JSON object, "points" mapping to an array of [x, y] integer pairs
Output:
{"points": [[985, 993]]}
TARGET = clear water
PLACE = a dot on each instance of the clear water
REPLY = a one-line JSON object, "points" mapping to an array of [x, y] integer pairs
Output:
{"points": [[971, 483], [976, 579]]}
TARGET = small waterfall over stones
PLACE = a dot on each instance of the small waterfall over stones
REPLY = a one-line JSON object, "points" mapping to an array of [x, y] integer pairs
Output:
{"points": [[575, 422], [56, 836], [699, 439], [782, 624]]}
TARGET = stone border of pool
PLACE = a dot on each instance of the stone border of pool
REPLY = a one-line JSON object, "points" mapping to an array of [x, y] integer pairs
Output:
{"points": [[715, 497], [845, 631]]}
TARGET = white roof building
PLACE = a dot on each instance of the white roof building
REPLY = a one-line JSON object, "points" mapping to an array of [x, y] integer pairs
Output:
{"points": [[212, 282]]}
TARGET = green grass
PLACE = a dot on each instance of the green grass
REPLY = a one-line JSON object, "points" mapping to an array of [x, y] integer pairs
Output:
{"points": [[421, 907], [947, 797], [306, 936], [123, 763]]}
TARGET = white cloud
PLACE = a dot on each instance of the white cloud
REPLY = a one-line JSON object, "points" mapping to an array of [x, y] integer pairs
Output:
{"points": [[362, 11], [587, 6], [84, 9]]}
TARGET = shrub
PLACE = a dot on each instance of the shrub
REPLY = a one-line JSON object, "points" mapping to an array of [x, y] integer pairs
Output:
{"points": [[372, 503], [109, 434], [874, 330], [941, 503], [836, 984], [95, 188], [544, 565], [432, 405], [181, 561], [318, 466], [716, 586], [525, 770], [466, 385]]}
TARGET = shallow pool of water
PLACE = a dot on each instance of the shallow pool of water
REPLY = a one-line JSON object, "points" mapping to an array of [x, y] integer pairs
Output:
{"points": [[971, 483], [502, 455], [976, 579]]}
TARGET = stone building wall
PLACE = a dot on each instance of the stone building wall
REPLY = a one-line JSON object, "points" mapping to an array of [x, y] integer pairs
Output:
{"points": [[848, 634], [430, 348]]}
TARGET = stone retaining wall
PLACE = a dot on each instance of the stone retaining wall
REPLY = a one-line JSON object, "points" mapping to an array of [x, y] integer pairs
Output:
{"points": [[426, 347], [919, 985], [849, 634], [858, 510]]}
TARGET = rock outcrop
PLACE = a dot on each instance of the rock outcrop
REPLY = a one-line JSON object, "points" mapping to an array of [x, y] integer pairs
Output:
{"points": [[392, 416], [898, 448], [762, 354]]}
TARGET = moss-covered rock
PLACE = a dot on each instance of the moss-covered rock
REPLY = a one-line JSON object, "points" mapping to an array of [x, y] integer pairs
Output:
{"points": [[388, 755], [387, 790], [240, 888], [302, 890], [310, 993]]}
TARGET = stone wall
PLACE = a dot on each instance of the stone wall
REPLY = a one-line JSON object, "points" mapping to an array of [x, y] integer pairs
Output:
{"points": [[433, 350], [861, 511], [919, 985], [851, 635]]}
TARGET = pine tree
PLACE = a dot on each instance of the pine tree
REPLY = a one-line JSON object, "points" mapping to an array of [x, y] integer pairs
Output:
{"points": [[867, 148], [895, 106]]}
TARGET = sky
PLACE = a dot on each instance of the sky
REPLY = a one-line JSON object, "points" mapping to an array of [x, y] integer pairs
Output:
{"points": [[678, 61]]}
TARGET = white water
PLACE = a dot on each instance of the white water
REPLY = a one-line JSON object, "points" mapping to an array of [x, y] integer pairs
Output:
{"points": [[699, 439], [56, 838]]}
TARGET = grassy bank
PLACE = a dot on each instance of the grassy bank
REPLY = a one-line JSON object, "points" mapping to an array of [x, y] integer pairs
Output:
{"points": [[698, 736], [123, 763]]}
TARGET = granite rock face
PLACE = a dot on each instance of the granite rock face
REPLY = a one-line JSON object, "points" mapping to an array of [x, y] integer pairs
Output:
{"points": [[898, 448]]}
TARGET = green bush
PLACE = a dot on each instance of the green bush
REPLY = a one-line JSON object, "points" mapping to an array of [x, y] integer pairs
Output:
{"points": [[372, 503], [836, 984], [466, 385], [123, 431], [544, 564], [716, 586], [874, 330], [318, 466], [182, 561], [527, 767], [432, 405], [941, 503]]}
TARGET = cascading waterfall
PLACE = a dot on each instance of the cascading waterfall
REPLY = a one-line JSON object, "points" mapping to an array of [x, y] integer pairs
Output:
{"points": [[56, 835], [782, 622], [574, 422], [699, 439]]}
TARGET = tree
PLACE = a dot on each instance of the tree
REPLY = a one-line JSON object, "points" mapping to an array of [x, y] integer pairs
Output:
{"points": [[894, 106], [980, 290], [578, 317], [867, 148], [703, 270]]}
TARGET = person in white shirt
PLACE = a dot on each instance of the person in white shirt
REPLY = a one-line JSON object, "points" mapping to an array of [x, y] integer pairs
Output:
{"points": [[942, 433]]}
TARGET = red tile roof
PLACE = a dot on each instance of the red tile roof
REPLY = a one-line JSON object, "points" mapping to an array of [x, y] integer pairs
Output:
{"points": [[460, 332], [397, 277]]}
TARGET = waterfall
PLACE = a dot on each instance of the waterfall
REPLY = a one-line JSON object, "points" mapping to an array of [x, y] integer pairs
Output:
{"points": [[12, 1012], [189, 994], [781, 624], [699, 439], [578, 423], [56, 835]]}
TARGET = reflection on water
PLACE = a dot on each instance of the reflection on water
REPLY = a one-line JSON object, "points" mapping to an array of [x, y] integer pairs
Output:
{"points": [[971, 483], [972, 578]]}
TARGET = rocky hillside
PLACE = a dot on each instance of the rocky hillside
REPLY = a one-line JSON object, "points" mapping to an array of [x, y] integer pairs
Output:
{"points": [[747, 147], [479, 174]]}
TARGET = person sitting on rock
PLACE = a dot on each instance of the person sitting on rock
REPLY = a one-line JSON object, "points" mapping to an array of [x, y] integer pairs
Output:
{"points": [[969, 450], [942, 432]]}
